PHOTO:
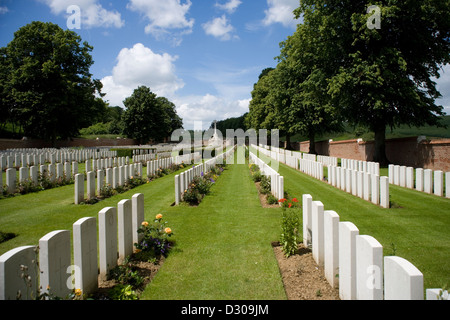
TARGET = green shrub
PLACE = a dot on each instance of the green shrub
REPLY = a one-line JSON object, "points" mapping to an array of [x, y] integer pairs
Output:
{"points": [[271, 199], [265, 186], [257, 176], [290, 225]]}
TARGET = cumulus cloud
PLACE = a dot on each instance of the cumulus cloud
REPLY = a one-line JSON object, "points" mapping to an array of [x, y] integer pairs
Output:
{"points": [[219, 28], [207, 108], [281, 11], [229, 6], [92, 13], [140, 66], [443, 86], [164, 16]]}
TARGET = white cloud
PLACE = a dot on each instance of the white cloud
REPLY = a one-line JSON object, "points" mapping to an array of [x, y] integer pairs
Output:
{"points": [[3, 10], [141, 66], [229, 6], [281, 11], [92, 13], [219, 28], [443, 86], [208, 108], [164, 16]]}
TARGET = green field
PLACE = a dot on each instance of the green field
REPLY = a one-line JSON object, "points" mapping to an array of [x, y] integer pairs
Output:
{"points": [[223, 246]]}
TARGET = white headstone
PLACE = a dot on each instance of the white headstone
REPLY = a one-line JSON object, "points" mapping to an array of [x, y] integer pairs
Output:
{"points": [[419, 179], [107, 233], [384, 192], [369, 268], [54, 260], [447, 184], [11, 282], [137, 203], [307, 219], [317, 232], [375, 188], [79, 188], [125, 225], [428, 181], [90, 185], [402, 280], [439, 183], [331, 247], [85, 255], [347, 260], [11, 180], [410, 177]]}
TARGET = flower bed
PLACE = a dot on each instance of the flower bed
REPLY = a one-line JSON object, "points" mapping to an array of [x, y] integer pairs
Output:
{"points": [[201, 186]]}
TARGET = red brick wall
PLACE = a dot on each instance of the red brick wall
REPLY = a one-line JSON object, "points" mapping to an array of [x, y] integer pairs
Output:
{"points": [[434, 154]]}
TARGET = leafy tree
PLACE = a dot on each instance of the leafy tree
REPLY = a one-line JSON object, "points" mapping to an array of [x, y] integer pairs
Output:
{"points": [[48, 88], [172, 121], [382, 77], [231, 123], [302, 83], [148, 117], [261, 114]]}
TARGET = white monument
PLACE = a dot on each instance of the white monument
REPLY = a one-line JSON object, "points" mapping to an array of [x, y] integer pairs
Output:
{"points": [[215, 141]]}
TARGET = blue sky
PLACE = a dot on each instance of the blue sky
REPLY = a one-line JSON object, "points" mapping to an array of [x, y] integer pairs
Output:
{"points": [[203, 55]]}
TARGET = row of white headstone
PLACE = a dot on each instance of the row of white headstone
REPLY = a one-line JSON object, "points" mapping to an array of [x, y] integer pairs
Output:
{"points": [[26, 174], [363, 166], [16, 158], [354, 263], [113, 177], [363, 184], [425, 180], [114, 237], [276, 180], [183, 180], [359, 178]]}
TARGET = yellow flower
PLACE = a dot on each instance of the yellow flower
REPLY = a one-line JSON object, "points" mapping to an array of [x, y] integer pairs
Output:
{"points": [[78, 292], [168, 230], [159, 216], [145, 224]]}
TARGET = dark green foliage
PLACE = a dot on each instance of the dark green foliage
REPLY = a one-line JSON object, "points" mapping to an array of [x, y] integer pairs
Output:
{"points": [[48, 89], [148, 117]]}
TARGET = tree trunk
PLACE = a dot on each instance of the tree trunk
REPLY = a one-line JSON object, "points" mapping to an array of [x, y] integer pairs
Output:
{"points": [[287, 145], [380, 146], [312, 143]]}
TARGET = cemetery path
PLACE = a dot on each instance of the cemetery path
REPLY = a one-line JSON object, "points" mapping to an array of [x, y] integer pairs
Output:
{"points": [[223, 246]]}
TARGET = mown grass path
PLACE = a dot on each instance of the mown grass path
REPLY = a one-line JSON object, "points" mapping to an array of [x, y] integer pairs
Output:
{"points": [[416, 228], [223, 248]]}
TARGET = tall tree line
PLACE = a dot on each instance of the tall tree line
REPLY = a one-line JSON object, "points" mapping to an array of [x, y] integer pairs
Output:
{"points": [[337, 67], [47, 90]]}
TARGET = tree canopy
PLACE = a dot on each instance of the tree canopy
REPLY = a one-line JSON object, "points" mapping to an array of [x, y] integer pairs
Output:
{"points": [[45, 83], [148, 117], [337, 68]]}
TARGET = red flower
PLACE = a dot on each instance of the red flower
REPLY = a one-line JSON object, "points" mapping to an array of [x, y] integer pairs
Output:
{"points": [[290, 205], [282, 200], [294, 200]]}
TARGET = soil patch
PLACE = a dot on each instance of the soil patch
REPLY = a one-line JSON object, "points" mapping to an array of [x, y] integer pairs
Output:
{"points": [[147, 270], [263, 198], [303, 279]]}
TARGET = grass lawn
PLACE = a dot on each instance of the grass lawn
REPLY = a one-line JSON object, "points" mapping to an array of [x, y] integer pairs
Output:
{"points": [[417, 229], [33, 215], [223, 246]]}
